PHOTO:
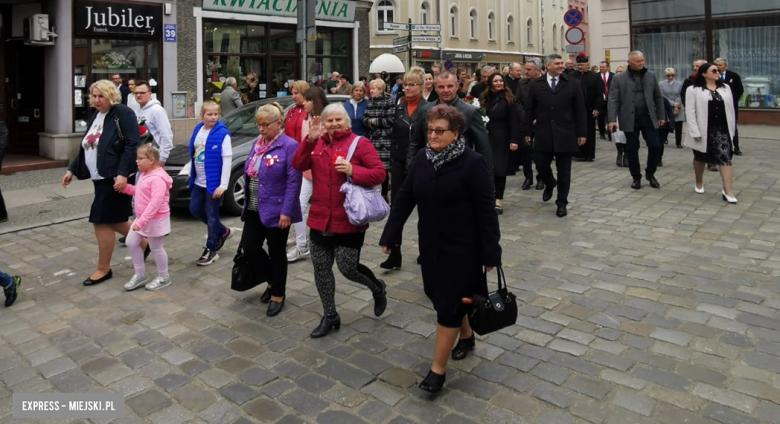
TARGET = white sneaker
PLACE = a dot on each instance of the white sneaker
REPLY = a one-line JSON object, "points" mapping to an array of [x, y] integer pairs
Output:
{"points": [[291, 241], [135, 282], [296, 253], [159, 283]]}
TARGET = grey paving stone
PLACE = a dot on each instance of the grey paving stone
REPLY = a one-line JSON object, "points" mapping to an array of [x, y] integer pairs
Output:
{"points": [[131, 385], [303, 402], [161, 346], [368, 344], [338, 417], [314, 383], [256, 376], [72, 381], [177, 356], [375, 412], [768, 347], [726, 415], [553, 396], [671, 336], [491, 372], [520, 362], [194, 367], [609, 334], [662, 378], [148, 402], [209, 351], [725, 397], [464, 404], [519, 382], [291, 419], [736, 340], [759, 321], [589, 387], [456, 419], [137, 358], [504, 342], [652, 359], [769, 412], [147, 337], [238, 393], [610, 360], [624, 311], [347, 374], [568, 347], [385, 393], [277, 388], [552, 373], [223, 412], [591, 411], [762, 361], [220, 335], [633, 402], [706, 375], [171, 381], [56, 366], [554, 417], [473, 386], [369, 362], [575, 364], [538, 325], [422, 411]]}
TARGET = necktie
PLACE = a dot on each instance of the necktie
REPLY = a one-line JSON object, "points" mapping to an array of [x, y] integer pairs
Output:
{"points": [[724, 76], [606, 85], [553, 84]]}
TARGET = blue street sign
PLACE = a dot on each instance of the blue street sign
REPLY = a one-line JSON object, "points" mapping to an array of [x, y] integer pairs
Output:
{"points": [[448, 64], [572, 17], [170, 33]]}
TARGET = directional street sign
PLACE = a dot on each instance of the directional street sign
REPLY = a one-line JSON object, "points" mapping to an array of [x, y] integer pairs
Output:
{"points": [[575, 48], [394, 25], [575, 35], [424, 27], [426, 39], [400, 40], [400, 49], [572, 17]]}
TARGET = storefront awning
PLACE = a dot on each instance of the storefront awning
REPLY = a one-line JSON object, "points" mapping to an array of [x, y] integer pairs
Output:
{"points": [[387, 62]]}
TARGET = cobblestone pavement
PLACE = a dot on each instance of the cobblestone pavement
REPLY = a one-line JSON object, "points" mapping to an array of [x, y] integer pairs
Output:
{"points": [[649, 306]]}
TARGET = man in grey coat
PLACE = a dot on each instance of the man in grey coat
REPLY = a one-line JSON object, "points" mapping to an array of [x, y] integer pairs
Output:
{"points": [[230, 98], [636, 102]]}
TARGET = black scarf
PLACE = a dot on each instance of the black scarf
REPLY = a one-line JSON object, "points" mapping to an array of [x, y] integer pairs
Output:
{"points": [[449, 154]]}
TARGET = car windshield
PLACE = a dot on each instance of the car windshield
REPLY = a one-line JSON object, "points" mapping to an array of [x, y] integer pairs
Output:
{"points": [[242, 122]]}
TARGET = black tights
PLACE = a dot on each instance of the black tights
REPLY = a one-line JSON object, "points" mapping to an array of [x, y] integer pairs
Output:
{"points": [[500, 186]]}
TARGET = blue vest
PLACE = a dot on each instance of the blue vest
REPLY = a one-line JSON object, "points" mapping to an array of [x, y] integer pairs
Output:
{"points": [[213, 155]]}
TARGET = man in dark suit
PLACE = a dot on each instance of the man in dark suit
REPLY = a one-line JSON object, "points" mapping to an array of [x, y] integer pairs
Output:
{"points": [[475, 134], [513, 78], [593, 93], [533, 70], [482, 85], [606, 78], [123, 89], [556, 104], [737, 90]]}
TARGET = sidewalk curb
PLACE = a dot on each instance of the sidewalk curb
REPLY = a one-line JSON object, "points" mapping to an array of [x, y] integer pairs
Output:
{"points": [[17, 229]]}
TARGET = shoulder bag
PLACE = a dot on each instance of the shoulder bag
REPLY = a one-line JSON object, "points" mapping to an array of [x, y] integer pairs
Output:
{"points": [[363, 204], [496, 311]]}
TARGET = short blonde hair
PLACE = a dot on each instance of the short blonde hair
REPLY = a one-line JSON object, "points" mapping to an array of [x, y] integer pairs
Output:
{"points": [[669, 71], [208, 104], [357, 85], [299, 85], [150, 151], [270, 112], [416, 75], [108, 90], [378, 83]]}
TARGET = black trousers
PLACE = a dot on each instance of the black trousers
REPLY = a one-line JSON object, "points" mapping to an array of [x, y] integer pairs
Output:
{"points": [[526, 153], [602, 123], [644, 125], [255, 233], [500, 183], [397, 178], [588, 150], [563, 164]]}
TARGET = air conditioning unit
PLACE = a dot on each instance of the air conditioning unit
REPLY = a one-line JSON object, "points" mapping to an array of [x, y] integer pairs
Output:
{"points": [[36, 31]]}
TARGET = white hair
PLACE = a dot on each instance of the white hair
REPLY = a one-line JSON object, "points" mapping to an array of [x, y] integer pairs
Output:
{"points": [[720, 59], [635, 53], [230, 81], [338, 109]]}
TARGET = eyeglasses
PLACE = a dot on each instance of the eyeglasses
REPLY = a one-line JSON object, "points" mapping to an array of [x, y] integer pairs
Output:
{"points": [[437, 131], [410, 84], [264, 126], [714, 71], [138, 159], [140, 93]]}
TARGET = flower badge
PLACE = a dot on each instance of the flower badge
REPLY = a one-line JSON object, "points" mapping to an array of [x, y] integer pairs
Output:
{"points": [[270, 160], [475, 102]]}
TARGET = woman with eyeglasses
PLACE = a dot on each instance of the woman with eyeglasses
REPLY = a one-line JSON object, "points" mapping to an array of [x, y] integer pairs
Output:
{"points": [[408, 124], [671, 91], [451, 187], [272, 204], [711, 126]]}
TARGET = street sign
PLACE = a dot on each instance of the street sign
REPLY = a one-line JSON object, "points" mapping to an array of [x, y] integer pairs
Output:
{"points": [[607, 55], [400, 40], [424, 27], [170, 33], [395, 25], [575, 48], [400, 49], [575, 35], [572, 17], [426, 39], [448, 64]]}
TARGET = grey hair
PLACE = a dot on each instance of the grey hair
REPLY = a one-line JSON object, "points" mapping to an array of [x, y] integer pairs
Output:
{"points": [[536, 62], [230, 81], [336, 109], [551, 57], [635, 53], [487, 68], [513, 64], [700, 61], [720, 59]]}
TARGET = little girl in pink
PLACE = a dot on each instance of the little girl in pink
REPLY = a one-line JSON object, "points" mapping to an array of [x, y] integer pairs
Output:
{"points": [[152, 218]]}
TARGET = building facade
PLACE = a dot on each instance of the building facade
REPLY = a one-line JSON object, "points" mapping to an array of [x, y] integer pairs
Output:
{"points": [[674, 33]]}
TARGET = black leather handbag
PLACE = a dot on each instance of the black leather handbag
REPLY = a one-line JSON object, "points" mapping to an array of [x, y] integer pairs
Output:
{"points": [[247, 273], [496, 311]]}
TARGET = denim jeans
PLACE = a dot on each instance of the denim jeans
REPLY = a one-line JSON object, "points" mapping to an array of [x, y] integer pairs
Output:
{"points": [[206, 209], [6, 281]]}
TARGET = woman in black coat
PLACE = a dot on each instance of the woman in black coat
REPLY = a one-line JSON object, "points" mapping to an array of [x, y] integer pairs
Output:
{"points": [[451, 187], [107, 156], [504, 132]]}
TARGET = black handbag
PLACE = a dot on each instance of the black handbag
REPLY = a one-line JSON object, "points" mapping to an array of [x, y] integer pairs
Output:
{"points": [[496, 311], [247, 273]]}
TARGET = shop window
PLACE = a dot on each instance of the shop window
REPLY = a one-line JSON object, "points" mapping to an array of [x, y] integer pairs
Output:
{"points": [[331, 52], [385, 13]]}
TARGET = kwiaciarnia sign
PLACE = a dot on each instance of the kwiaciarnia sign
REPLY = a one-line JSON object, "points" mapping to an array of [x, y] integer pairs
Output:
{"points": [[327, 10]]}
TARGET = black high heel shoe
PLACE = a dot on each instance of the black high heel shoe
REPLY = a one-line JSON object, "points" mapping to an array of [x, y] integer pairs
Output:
{"points": [[325, 325], [433, 382], [463, 348], [266, 296]]}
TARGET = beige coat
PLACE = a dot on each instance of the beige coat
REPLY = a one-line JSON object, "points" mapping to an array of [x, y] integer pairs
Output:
{"points": [[696, 115]]}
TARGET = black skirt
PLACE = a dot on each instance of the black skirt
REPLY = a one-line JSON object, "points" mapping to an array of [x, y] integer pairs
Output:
{"points": [[109, 207]]}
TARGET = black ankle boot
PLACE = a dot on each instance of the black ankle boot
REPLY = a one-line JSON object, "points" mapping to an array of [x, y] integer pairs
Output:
{"points": [[380, 300], [433, 382], [326, 324], [463, 348], [394, 260]]}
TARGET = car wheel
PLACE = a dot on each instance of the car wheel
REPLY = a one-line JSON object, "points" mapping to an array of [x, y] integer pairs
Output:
{"points": [[234, 197]]}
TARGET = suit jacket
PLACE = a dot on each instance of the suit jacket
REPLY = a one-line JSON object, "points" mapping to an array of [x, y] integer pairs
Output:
{"points": [[230, 100], [125, 92], [621, 99], [521, 97], [475, 133], [737, 89], [592, 90], [687, 83], [560, 116], [610, 75]]}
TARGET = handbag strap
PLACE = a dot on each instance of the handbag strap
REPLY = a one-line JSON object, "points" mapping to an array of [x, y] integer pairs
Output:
{"points": [[501, 278], [352, 148], [119, 129]]}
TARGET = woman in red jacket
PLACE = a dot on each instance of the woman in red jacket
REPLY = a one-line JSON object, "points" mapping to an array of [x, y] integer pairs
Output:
{"points": [[332, 236]]}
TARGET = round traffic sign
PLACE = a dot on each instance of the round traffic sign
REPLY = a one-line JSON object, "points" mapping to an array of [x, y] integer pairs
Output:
{"points": [[572, 17], [448, 64], [575, 35]]}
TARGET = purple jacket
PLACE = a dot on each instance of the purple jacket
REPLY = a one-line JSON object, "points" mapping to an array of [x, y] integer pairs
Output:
{"points": [[280, 184]]}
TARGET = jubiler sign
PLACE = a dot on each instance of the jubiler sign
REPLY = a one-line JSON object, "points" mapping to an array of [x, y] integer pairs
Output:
{"points": [[111, 19], [327, 10]]}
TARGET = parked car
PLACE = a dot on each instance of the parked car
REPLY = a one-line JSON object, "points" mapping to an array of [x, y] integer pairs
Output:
{"points": [[243, 131]]}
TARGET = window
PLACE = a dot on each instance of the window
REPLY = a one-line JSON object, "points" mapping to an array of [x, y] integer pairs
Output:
{"points": [[491, 26], [453, 21], [563, 39], [473, 24], [510, 29], [529, 31], [385, 13], [424, 14], [555, 37]]}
